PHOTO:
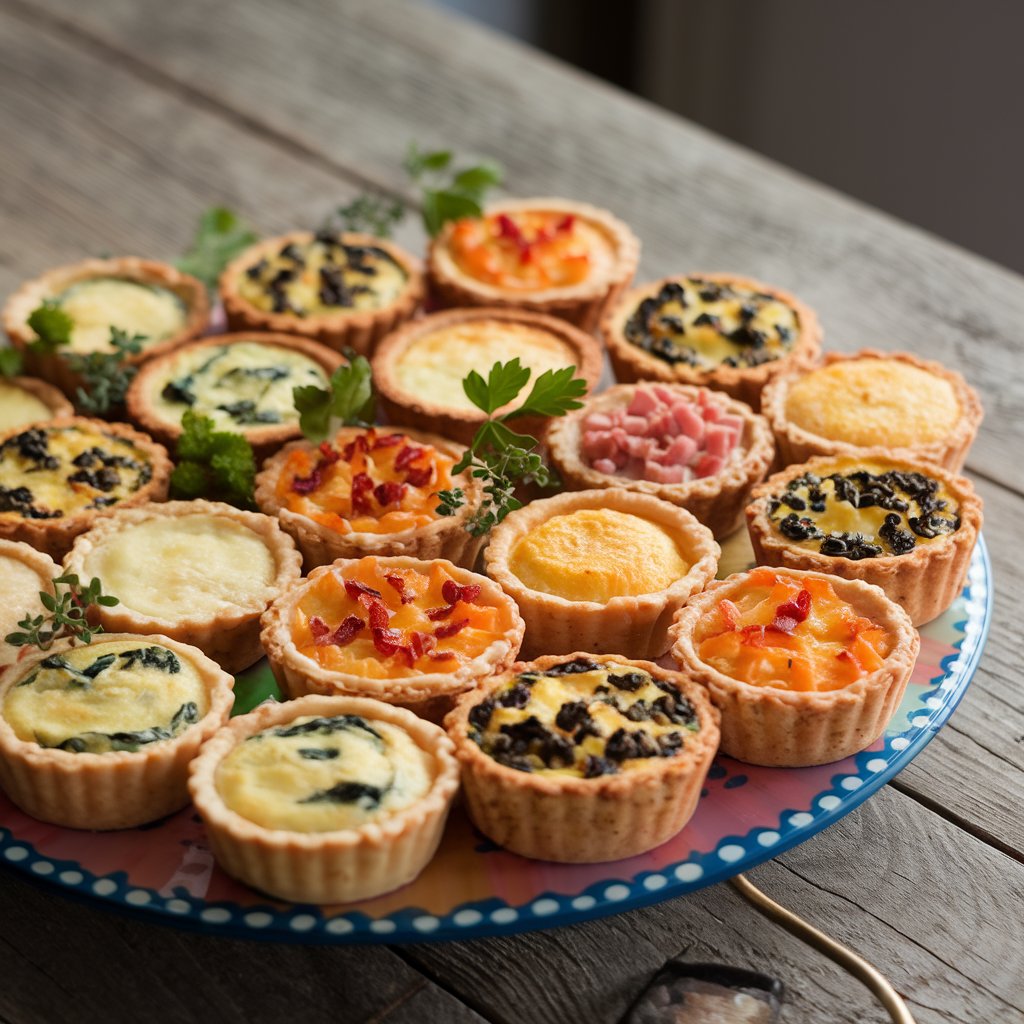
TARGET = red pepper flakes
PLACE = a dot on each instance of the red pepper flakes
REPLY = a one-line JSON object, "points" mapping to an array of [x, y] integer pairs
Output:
{"points": [[399, 584], [450, 629]]}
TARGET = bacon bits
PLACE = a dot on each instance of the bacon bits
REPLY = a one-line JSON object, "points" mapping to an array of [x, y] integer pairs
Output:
{"points": [[790, 613]]}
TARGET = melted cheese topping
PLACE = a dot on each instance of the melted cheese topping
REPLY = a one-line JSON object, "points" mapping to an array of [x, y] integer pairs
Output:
{"points": [[245, 384], [598, 554], [583, 719], [323, 277], [171, 567], [104, 302], [365, 482], [105, 697], [708, 324], [19, 596], [874, 401], [380, 622], [435, 364], [324, 774], [790, 633], [18, 406], [50, 472]]}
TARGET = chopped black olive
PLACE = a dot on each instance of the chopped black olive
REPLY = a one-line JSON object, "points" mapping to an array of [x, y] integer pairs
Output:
{"points": [[629, 681], [708, 320], [670, 743], [572, 714], [105, 479], [516, 697], [639, 711], [899, 540], [556, 750], [480, 715], [179, 391], [528, 729], [594, 767], [34, 446], [573, 667]]}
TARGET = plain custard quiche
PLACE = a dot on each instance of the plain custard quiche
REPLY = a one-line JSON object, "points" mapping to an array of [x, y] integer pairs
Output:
{"points": [[100, 736], [25, 400], [584, 758], [24, 574]]}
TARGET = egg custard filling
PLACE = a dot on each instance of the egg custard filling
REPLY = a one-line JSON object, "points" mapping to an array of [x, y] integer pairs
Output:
{"points": [[790, 633], [865, 509], [323, 774], [583, 719], [366, 482], [706, 324], [18, 406], [244, 384], [865, 402], [149, 311], [105, 697], [598, 554], [52, 472], [323, 276]]}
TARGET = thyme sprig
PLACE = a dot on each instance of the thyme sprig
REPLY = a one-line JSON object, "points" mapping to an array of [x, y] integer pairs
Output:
{"points": [[368, 214], [66, 614]]}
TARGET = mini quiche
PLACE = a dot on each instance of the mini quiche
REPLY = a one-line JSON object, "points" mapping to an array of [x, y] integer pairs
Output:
{"points": [[325, 799], [694, 447], [603, 569], [398, 629], [344, 290], [24, 574], [154, 301], [720, 330], [912, 406], [909, 527], [419, 370], [58, 478], [25, 400], [198, 571], [806, 668], [100, 736], [243, 382], [370, 491], [584, 758], [547, 255]]}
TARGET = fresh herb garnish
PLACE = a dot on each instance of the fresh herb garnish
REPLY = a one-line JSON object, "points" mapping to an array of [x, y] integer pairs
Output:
{"points": [[52, 325], [106, 375], [369, 214], [11, 362], [220, 237], [447, 194], [500, 456], [213, 463], [349, 401], [66, 614]]}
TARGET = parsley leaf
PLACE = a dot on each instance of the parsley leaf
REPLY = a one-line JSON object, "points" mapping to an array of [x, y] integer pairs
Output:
{"points": [[445, 195], [66, 614], [503, 383], [220, 237], [213, 463], [554, 393], [52, 325], [11, 362], [349, 401]]}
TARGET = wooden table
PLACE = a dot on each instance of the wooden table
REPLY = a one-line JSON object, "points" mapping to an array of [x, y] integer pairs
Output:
{"points": [[122, 120]]}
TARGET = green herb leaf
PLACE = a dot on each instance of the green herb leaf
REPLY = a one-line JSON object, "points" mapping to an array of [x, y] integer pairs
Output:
{"points": [[417, 162], [11, 362], [220, 237], [52, 325], [475, 181], [213, 463], [554, 393], [503, 383], [349, 402], [68, 609], [447, 196], [105, 375], [367, 214]]}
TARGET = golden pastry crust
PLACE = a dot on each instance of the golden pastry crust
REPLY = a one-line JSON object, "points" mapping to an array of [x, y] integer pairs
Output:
{"points": [[795, 444], [579, 820], [742, 382], [264, 439], [632, 626], [428, 694], [443, 537], [229, 636], [48, 394], [425, 413], [581, 304], [717, 501], [55, 536], [326, 867], [769, 725], [13, 606], [358, 329], [30, 296], [118, 789], [924, 582]]}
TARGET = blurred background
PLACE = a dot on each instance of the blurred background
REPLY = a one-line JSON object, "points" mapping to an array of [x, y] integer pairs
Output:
{"points": [[911, 106]]}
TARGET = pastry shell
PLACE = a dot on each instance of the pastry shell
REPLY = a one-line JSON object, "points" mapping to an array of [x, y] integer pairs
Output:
{"points": [[55, 536], [768, 725], [264, 439], [428, 695], [581, 304], [47, 571], [326, 867], [629, 626], [742, 382], [425, 413], [51, 367], [795, 444], [924, 582], [52, 397], [358, 329], [444, 537], [577, 820], [717, 501], [118, 789], [231, 636]]}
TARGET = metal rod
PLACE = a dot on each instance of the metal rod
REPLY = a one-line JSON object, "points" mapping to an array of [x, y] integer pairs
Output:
{"points": [[846, 958]]}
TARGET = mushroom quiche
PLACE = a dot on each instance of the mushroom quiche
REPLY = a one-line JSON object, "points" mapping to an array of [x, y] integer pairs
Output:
{"points": [[584, 758], [24, 574], [25, 400]]}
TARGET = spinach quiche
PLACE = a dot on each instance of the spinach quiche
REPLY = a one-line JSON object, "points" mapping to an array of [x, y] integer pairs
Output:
{"points": [[806, 668], [24, 574], [100, 736], [344, 290], [584, 758], [25, 400], [325, 799], [58, 478]]}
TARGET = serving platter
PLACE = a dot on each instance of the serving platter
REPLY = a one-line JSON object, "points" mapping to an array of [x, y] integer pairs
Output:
{"points": [[473, 888]]}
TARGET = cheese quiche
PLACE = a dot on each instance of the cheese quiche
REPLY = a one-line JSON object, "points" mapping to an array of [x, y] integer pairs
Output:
{"points": [[24, 574], [25, 400]]}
